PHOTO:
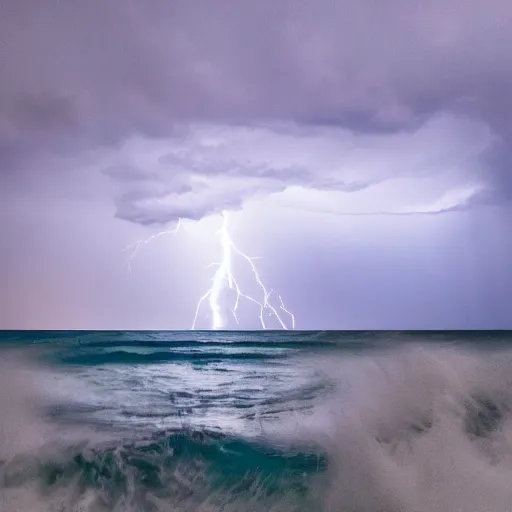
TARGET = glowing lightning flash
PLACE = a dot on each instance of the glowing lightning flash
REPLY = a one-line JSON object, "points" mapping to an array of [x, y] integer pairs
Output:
{"points": [[292, 316], [133, 249], [224, 275]]}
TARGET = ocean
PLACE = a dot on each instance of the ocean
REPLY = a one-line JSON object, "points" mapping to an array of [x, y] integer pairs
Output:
{"points": [[255, 421]]}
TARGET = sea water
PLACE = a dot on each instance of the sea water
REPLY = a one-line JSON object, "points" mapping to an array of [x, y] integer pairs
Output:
{"points": [[259, 421]]}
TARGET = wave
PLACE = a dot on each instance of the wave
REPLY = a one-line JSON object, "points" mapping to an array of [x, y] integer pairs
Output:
{"points": [[421, 428], [145, 343], [127, 357], [49, 466], [188, 470], [411, 427]]}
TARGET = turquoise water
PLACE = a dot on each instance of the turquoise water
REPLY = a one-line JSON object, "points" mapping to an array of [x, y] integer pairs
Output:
{"points": [[255, 421]]}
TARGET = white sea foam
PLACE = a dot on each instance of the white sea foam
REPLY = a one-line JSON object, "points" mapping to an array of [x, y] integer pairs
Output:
{"points": [[419, 429]]}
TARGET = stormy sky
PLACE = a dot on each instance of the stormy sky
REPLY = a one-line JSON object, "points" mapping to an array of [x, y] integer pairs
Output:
{"points": [[362, 148]]}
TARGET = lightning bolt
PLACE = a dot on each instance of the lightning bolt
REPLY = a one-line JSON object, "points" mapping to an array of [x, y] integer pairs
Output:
{"points": [[224, 276], [292, 316], [133, 249]]}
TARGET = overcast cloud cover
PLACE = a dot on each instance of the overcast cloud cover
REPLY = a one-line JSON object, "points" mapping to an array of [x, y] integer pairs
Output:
{"points": [[365, 146]]}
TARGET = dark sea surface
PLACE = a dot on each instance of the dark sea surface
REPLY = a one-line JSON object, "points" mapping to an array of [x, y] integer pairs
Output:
{"points": [[259, 421]]}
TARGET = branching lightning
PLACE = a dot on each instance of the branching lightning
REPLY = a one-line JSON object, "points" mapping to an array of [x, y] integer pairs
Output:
{"points": [[133, 249], [224, 276]]}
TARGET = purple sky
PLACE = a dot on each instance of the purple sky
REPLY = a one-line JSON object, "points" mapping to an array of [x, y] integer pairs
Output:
{"points": [[363, 148]]}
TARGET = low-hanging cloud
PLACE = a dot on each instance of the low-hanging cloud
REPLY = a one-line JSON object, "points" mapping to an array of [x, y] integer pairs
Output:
{"points": [[218, 167], [190, 107]]}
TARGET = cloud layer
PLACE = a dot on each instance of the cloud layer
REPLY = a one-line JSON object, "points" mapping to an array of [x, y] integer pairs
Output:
{"points": [[215, 167], [191, 107]]}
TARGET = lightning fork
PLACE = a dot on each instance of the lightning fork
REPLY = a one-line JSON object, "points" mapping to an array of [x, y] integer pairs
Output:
{"points": [[224, 273], [222, 276], [283, 307], [133, 249]]}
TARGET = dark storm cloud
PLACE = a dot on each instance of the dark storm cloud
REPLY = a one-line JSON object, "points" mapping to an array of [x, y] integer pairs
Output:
{"points": [[81, 75], [220, 167]]}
